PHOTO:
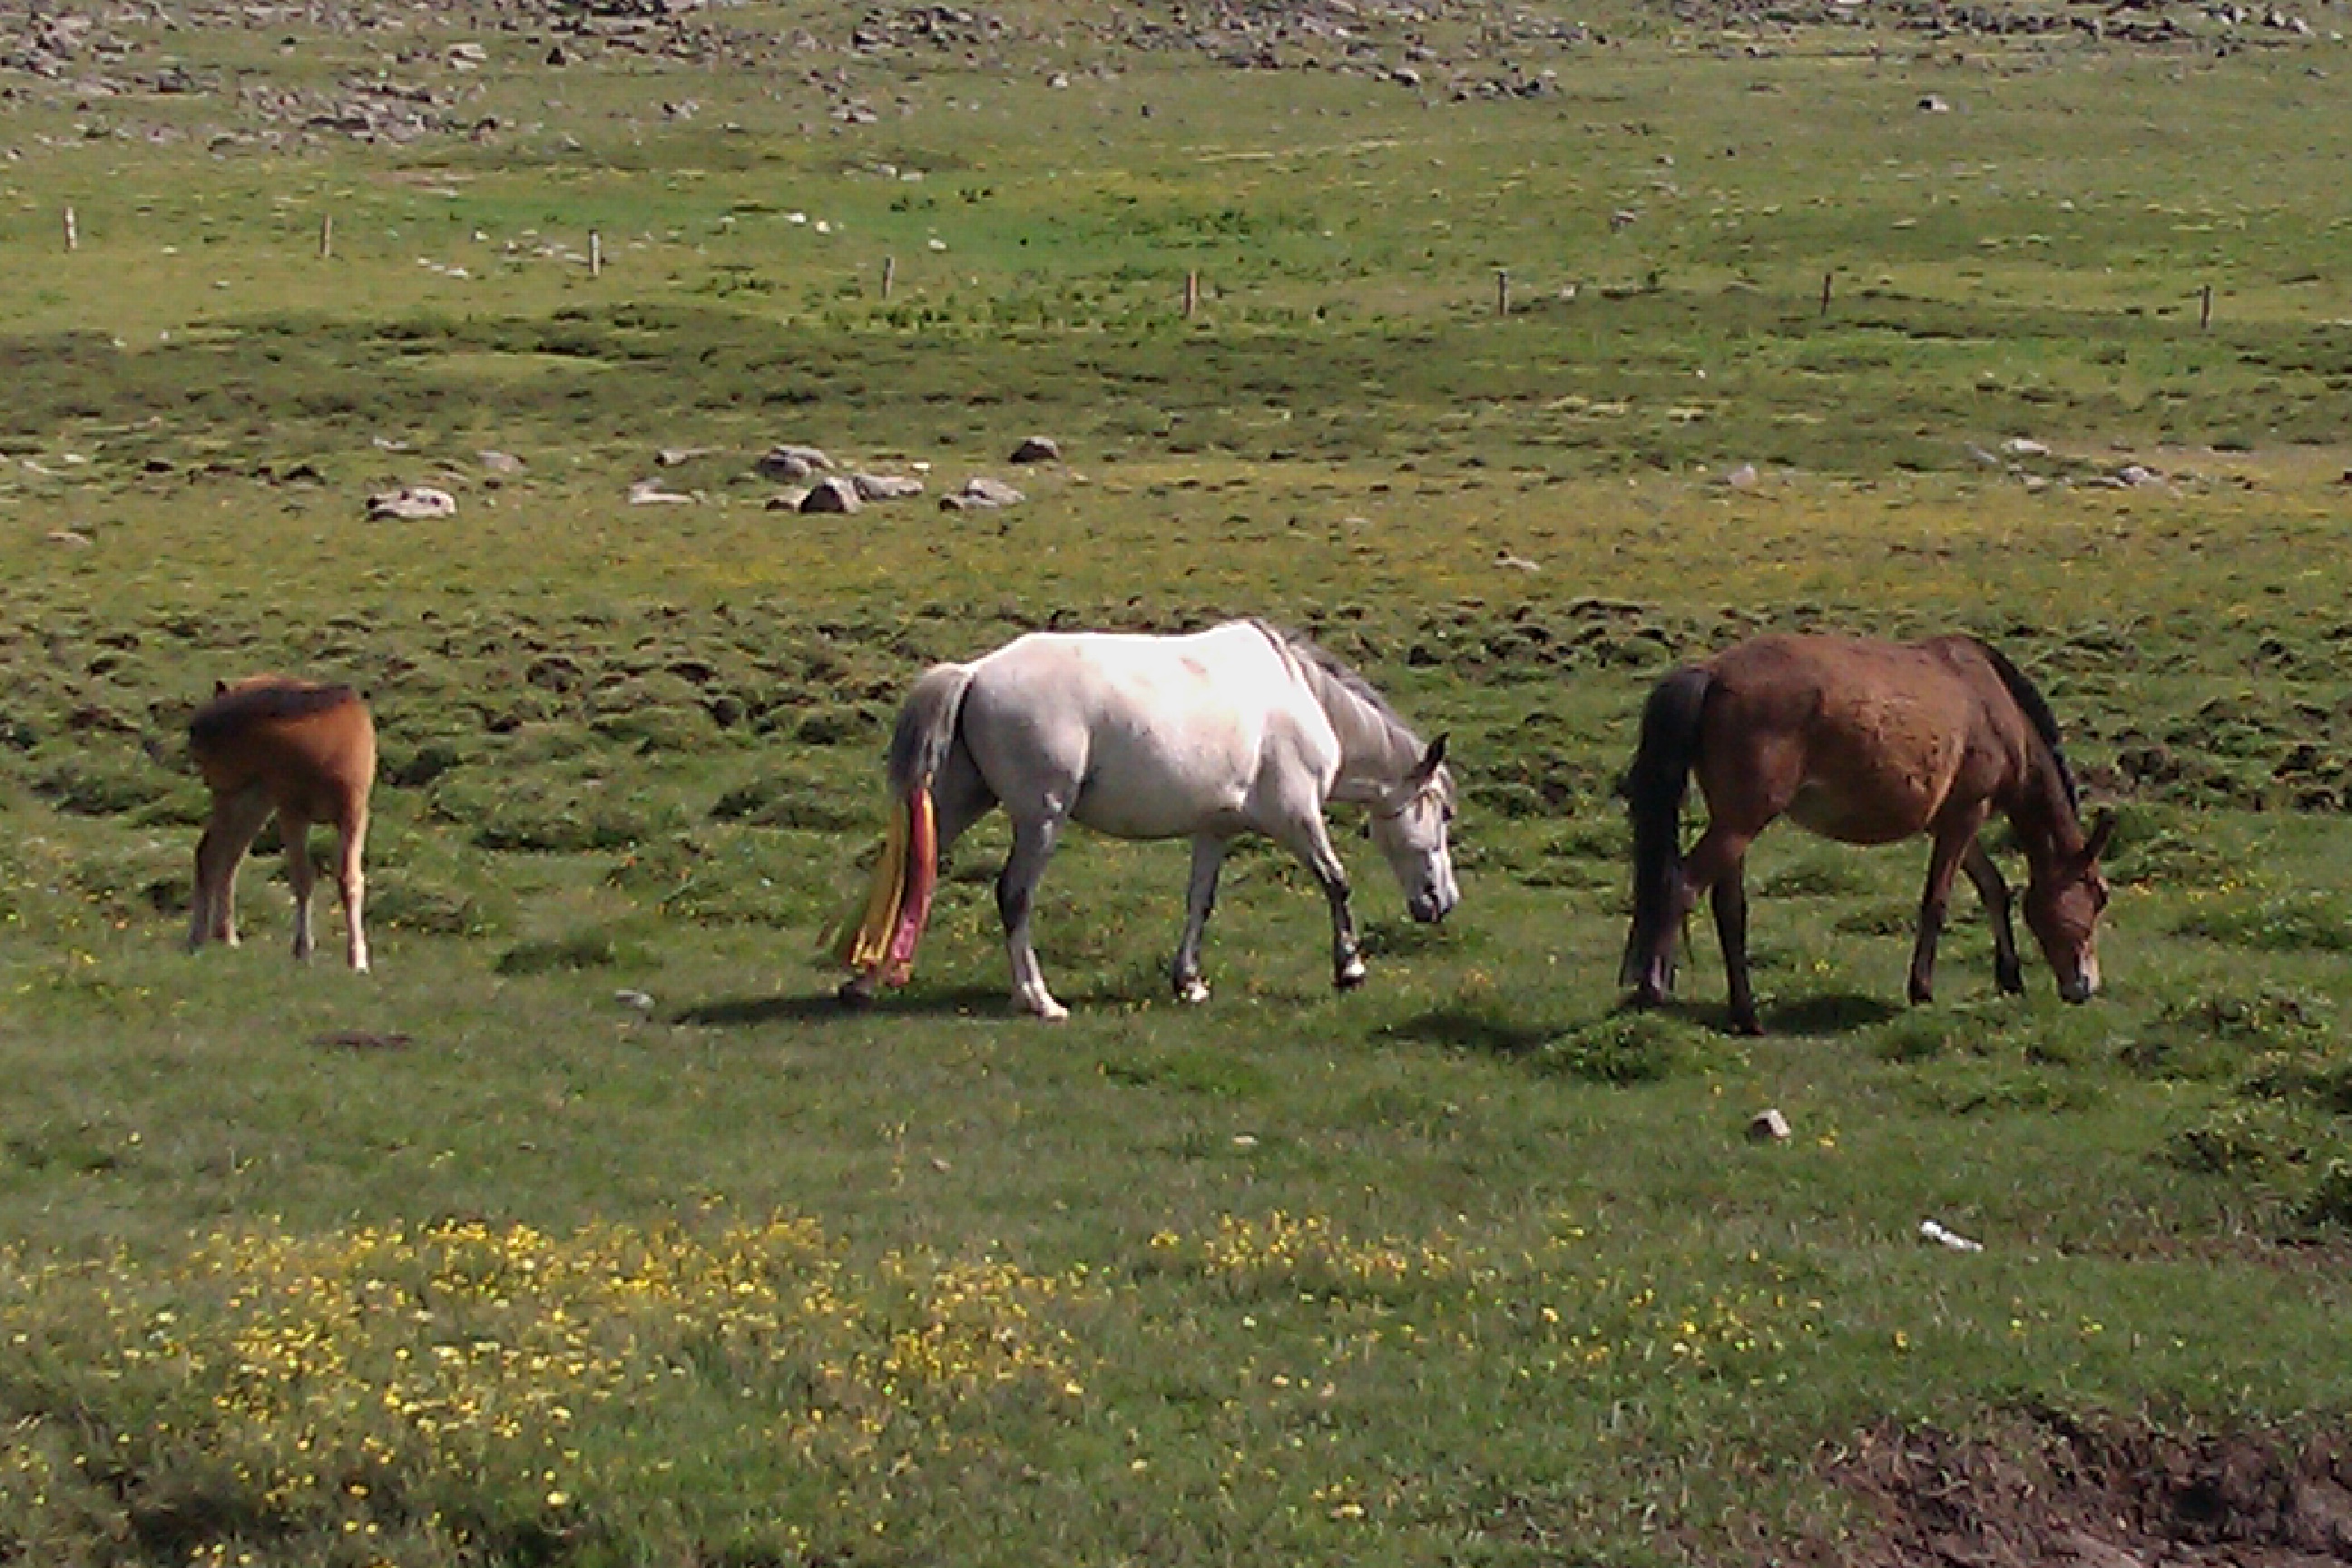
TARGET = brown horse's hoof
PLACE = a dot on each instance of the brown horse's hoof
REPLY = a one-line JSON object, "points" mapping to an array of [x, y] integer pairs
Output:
{"points": [[1750, 1025], [856, 994]]}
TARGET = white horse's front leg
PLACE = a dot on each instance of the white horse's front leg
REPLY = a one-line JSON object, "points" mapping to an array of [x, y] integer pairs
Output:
{"points": [[1200, 898], [1016, 894], [1307, 837]]}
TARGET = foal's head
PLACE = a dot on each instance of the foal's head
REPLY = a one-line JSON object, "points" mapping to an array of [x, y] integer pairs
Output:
{"points": [[2062, 905], [1409, 824]]}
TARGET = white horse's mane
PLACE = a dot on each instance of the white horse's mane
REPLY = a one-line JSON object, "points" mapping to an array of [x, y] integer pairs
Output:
{"points": [[1326, 672]]}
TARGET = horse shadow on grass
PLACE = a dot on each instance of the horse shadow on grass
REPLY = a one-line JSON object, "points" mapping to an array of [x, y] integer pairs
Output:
{"points": [[826, 1007], [1487, 1032]]}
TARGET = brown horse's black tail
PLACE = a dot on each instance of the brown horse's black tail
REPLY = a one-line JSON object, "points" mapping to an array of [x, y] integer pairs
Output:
{"points": [[1654, 788]]}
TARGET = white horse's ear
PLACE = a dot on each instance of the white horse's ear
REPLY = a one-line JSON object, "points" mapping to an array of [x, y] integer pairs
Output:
{"points": [[1431, 760]]}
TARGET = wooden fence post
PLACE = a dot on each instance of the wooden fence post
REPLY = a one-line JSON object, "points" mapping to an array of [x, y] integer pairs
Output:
{"points": [[73, 230], [1828, 279], [889, 274], [1502, 291], [2205, 306], [326, 236], [595, 254], [1191, 292]]}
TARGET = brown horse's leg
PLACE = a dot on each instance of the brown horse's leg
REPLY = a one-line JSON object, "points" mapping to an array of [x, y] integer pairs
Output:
{"points": [[1995, 894], [350, 843], [1729, 897], [1953, 840], [300, 875], [1714, 865], [237, 816]]}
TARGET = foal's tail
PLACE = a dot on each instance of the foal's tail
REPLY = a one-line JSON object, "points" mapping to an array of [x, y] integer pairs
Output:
{"points": [[880, 947], [1654, 788]]}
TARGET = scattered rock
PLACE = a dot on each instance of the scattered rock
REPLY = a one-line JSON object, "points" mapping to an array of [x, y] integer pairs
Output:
{"points": [[982, 491], [1930, 1230], [69, 537], [678, 457], [788, 499], [832, 495], [636, 1001], [1932, 104], [793, 463], [1743, 478], [1037, 450], [2137, 477], [1511, 562], [649, 492], [501, 462], [1768, 1126], [2024, 446], [410, 503], [885, 487]]}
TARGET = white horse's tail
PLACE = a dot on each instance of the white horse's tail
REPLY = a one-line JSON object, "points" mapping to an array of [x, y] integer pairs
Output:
{"points": [[925, 731], [880, 947]]}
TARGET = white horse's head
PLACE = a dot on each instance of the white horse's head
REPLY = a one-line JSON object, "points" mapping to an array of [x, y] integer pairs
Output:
{"points": [[1409, 822]]}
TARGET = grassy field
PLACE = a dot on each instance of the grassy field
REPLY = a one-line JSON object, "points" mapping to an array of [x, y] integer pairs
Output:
{"points": [[588, 1230]]}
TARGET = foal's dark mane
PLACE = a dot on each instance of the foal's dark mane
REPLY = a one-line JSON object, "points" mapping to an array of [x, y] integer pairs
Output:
{"points": [[2036, 708], [231, 711], [1332, 665]]}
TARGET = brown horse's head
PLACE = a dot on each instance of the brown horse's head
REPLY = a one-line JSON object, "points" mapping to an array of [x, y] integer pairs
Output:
{"points": [[2062, 906]]}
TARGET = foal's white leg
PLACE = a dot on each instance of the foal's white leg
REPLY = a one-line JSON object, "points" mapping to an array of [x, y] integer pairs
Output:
{"points": [[301, 875], [1200, 898], [1016, 894], [235, 819], [351, 842]]}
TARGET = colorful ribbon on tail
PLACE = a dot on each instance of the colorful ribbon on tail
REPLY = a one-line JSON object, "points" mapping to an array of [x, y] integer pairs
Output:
{"points": [[899, 901]]}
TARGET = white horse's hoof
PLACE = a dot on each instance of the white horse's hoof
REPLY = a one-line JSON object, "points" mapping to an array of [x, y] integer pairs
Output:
{"points": [[1193, 990], [1351, 975], [1053, 1012]]}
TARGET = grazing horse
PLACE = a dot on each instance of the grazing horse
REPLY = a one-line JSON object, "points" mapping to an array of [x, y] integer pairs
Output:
{"points": [[1241, 728], [304, 751], [1866, 742]]}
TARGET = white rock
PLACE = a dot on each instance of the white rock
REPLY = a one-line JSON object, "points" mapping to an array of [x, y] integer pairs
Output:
{"points": [[412, 502]]}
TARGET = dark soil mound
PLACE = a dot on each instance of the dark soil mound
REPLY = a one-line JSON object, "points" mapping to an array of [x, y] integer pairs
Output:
{"points": [[2055, 1492]]}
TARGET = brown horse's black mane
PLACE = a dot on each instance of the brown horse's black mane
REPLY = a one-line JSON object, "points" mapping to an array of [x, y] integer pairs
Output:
{"points": [[230, 711], [2036, 708]]}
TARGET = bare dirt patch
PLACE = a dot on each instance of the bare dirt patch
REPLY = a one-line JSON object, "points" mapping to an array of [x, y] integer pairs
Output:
{"points": [[2053, 1491]]}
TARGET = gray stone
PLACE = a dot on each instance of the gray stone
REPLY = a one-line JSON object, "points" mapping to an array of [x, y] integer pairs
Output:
{"points": [[412, 502], [832, 495], [1037, 450], [789, 462], [885, 487]]}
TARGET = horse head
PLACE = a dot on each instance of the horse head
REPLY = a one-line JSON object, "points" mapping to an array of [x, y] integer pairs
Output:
{"points": [[2062, 905], [1409, 822]]}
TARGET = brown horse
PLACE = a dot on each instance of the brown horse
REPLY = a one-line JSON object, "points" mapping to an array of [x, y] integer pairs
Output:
{"points": [[1866, 742], [304, 751]]}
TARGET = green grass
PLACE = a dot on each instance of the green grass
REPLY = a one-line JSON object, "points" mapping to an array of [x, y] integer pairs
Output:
{"points": [[481, 1258]]}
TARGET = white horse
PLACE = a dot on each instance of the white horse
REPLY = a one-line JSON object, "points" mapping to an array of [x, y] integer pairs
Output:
{"points": [[1239, 729]]}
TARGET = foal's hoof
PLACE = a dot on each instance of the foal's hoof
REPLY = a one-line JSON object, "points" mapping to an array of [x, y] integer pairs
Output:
{"points": [[1349, 977], [1193, 990], [1746, 1024]]}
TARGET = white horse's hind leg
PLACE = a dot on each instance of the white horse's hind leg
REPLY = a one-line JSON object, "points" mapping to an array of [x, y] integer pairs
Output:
{"points": [[1200, 898], [1016, 895]]}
